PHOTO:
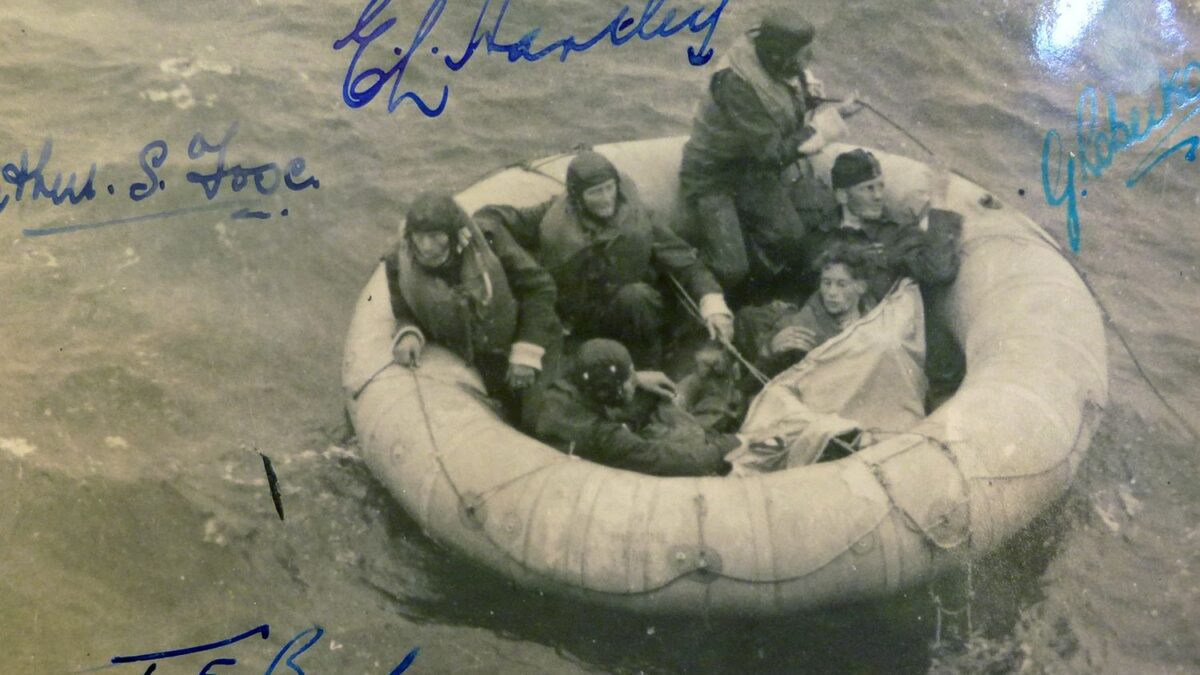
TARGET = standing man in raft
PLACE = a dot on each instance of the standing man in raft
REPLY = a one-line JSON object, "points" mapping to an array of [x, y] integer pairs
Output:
{"points": [[759, 117]]}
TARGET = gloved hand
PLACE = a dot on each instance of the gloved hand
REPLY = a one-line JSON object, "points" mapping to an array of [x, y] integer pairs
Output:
{"points": [[407, 351], [720, 327]]}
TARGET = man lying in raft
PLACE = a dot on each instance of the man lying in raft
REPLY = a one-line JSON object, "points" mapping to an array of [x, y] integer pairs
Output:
{"points": [[605, 411], [739, 171], [781, 333], [611, 257], [472, 289]]}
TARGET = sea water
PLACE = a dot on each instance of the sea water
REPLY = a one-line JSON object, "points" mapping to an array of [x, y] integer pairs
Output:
{"points": [[147, 362]]}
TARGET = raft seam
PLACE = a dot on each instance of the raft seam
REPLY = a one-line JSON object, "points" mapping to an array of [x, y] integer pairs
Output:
{"points": [[583, 487], [637, 493], [587, 528], [530, 517], [650, 513]]}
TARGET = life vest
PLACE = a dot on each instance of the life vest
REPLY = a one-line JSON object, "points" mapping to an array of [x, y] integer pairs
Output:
{"points": [[589, 268], [477, 315]]}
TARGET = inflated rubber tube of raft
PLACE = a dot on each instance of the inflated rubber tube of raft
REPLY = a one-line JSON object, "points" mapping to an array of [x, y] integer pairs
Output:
{"points": [[892, 515]]}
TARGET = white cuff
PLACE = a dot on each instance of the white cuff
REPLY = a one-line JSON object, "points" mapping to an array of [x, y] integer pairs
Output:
{"points": [[526, 354], [713, 304], [408, 330], [829, 123]]}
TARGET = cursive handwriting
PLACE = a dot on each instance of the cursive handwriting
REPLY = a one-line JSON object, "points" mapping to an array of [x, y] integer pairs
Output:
{"points": [[265, 179], [361, 87], [22, 175], [287, 656], [1101, 138]]}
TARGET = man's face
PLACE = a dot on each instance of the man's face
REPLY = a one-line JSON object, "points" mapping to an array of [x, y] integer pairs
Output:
{"points": [[840, 291], [864, 200], [431, 249], [601, 200]]}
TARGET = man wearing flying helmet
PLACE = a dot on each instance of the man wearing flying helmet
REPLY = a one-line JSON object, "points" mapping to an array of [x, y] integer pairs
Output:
{"points": [[605, 411], [470, 288], [611, 259], [760, 115]]}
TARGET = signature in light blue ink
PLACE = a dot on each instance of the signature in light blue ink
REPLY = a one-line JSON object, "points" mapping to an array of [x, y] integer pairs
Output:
{"points": [[287, 656], [266, 179], [360, 87], [1096, 148]]}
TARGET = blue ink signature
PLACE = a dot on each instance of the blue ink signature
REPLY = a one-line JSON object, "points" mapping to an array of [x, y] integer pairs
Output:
{"points": [[21, 176], [1097, 147], [289, 650], [266, 179], [360, 88]]}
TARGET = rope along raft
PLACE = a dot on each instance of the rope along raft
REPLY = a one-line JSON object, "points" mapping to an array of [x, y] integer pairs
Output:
{"points": [[892, 515]]}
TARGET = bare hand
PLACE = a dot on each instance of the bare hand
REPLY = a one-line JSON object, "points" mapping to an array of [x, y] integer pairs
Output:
{"points": [[813, 145], [520, 376], [464, 238], [850, 105], [720, 327], [407, 351], [656, 382], [792, 338], [816, 87]]}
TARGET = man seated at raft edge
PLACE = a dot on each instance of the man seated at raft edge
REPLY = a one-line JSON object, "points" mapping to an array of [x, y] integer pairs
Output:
{"points": [[739, 176], [605, 411], [611, 257], [470, 288], [928, 255], [783, 333]]}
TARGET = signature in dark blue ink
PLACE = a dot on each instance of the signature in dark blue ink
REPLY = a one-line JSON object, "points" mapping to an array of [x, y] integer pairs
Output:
{"points": [[22, 175], [286, 656], [1099, 142], [361, 87], [266, 179]]}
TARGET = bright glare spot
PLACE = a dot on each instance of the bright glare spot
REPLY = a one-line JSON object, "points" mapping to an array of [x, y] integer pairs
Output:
{"points": [[1062, 27], [1167, 24]]}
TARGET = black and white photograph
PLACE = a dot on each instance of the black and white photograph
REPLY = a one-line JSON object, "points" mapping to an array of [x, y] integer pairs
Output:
{"points": [[520, 336]]}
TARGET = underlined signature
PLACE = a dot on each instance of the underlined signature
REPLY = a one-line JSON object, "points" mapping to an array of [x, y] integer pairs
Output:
{"points": [[213, 173], [362, 85], [1100, 139]]}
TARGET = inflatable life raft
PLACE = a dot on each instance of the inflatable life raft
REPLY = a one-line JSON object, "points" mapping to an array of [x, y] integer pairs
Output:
{"points": [[892, 515]]}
